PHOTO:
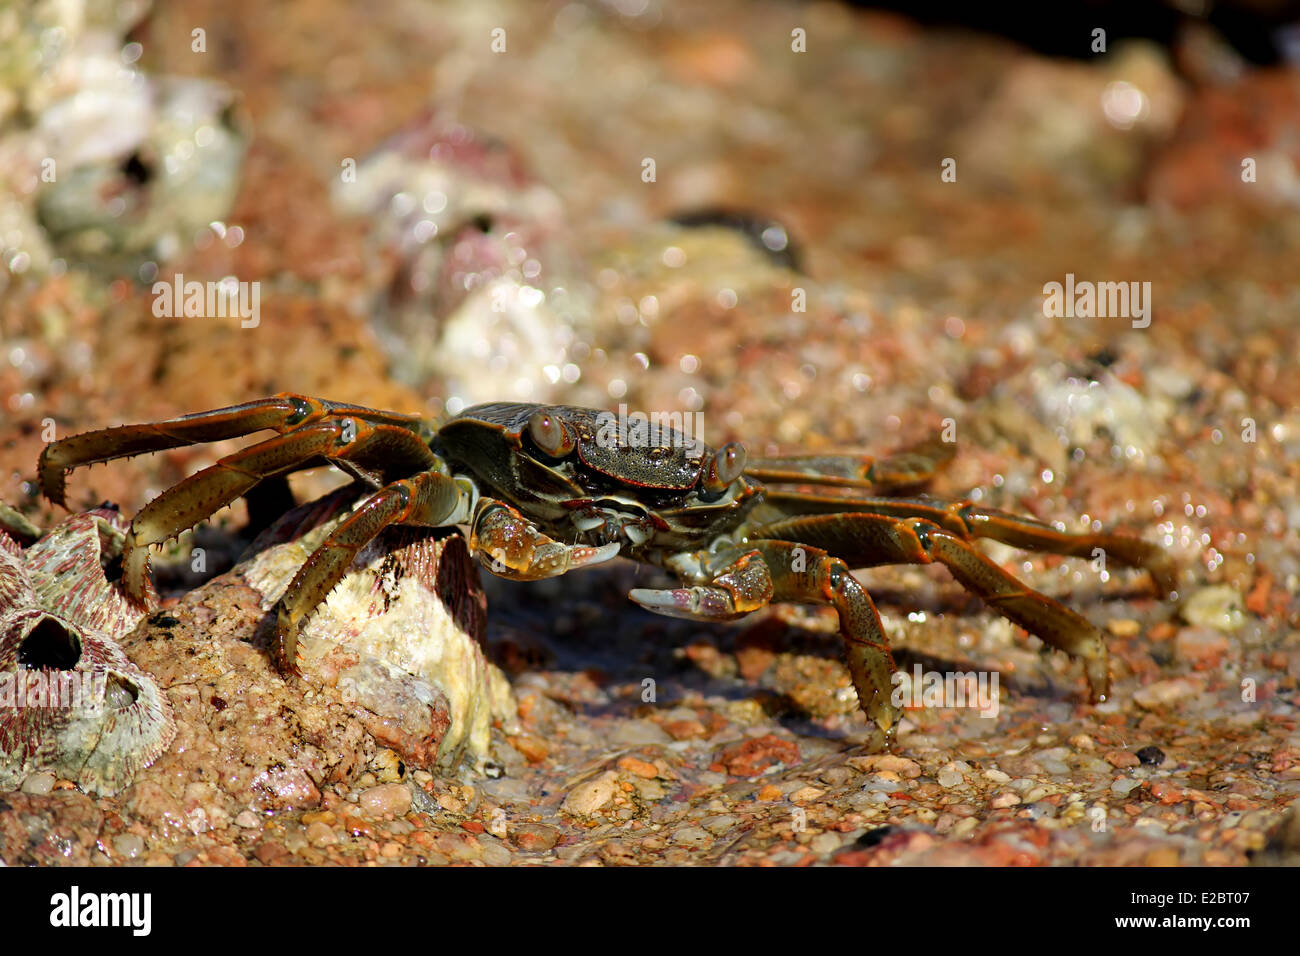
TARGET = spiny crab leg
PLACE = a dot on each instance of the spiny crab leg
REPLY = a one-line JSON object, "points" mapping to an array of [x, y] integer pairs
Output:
{"points": [[510, 546], [281, 413], [808, 575], [428, 499], [190, 501], [968, 521], [788, 571], [867, 540]]}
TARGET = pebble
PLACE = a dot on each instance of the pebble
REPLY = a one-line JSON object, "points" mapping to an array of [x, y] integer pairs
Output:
{"points": [[38, 784], [806, 795], [1165, 692], [769, 793], [320, 833], [692, 836], [1125, 785], [1122, 759], [1123, 627], [494, 854], [1151, 755], [128, 845], [1218, 606], [836, 776], [997, 776], [720, 824], [639, 767], [825, 843], [248, 820], [879, 782], [533, 837], [1004, 800], [903, 766], [964, 826], [394, 798], [635, 733], [751, 757], [1202, 647], [586, 798], [950, 778]]}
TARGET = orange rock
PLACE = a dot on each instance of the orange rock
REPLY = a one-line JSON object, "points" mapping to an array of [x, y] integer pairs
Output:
{"points": [[533, 749], [748, 758], [684, 729], [1121, 759], [639, 767]]}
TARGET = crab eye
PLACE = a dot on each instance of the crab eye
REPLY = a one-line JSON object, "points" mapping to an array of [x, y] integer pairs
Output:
{"points": [[549, 433], [728, 464]]}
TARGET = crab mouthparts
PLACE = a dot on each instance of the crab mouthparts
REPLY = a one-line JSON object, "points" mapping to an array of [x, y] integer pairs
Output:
{"points": [[611, 525]]}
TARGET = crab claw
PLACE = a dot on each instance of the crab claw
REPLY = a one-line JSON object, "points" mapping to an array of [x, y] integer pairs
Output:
{"points": [[697, 602], [511, 547]]}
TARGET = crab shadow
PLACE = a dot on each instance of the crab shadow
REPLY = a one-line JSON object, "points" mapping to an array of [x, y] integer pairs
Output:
{"points": [[584, 625]]}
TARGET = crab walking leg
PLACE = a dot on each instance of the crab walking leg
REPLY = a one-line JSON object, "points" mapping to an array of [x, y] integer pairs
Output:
{"points": [[866, 540], [197, 497], [428, 499], [914, 466], [281, 413], [808, 575], [968, 521], [787, 571], [510, 546]]}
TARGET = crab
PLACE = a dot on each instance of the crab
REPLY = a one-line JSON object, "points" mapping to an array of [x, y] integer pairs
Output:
{"points": [[547, 489]]}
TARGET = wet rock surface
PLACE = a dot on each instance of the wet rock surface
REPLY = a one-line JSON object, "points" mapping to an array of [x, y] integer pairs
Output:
{"points": [[642, 740]]}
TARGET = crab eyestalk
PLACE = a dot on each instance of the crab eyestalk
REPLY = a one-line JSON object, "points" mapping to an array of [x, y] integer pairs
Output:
{"points": [[550, 434], [727, 464]]}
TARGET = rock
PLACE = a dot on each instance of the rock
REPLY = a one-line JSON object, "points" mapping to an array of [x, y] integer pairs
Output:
{"points": [[1218, 606], [1202, 647], [387, 798], [1122, 759], [640, 768], [903, 766], [38, 784], [128, 845], [586, 798], [320, 834], [748, 758], [692, 836], [1165, 692], [533, 837], [1151, 755]]}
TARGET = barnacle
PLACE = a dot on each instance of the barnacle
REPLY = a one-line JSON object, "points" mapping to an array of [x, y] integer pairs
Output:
{"points": [[70, 700]]}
